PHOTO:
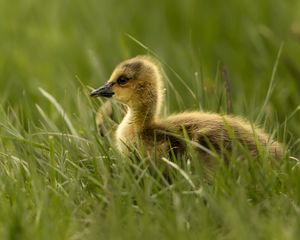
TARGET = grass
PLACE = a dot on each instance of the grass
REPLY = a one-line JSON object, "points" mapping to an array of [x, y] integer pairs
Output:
{"points": [[60, 180]]}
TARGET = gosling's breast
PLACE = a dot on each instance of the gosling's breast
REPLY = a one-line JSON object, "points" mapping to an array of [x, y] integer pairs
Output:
{"points": [[125, 136]]}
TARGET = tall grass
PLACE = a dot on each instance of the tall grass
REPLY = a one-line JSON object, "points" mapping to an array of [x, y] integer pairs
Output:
{"points": [[61, 180]]}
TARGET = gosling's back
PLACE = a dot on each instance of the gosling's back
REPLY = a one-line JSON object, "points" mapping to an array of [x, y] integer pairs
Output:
{"points": [[210, 131]]}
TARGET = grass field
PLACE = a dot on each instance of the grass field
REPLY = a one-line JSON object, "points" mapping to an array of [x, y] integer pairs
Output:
{"points": [[60, 180]]}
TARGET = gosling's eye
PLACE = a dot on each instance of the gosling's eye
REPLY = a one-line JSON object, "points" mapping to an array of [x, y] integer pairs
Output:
{"points": [[122, 80]]}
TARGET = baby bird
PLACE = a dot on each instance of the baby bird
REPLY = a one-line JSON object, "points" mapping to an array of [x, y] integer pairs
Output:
{"points": [[137, 83]]}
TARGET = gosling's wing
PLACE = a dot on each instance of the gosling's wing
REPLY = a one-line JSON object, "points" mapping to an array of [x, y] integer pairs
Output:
{"points": [[108, 117]]}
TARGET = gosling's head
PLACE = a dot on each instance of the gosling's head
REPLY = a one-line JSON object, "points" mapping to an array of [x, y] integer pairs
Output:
{"points": [[135, 82]]}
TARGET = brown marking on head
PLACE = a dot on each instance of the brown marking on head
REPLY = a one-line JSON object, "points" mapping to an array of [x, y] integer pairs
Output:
{"points": [[134, 67], [136, 82]]}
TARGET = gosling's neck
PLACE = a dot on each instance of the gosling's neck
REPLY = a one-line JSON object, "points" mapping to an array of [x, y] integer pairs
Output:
{"points": [[145, 108], [142, 115]]}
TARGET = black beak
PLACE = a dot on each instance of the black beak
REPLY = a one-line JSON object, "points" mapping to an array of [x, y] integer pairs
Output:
{"points": [[104, 91]]}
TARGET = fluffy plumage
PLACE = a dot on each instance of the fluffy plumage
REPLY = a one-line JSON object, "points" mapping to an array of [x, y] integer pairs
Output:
{"points": [[137, 83]]}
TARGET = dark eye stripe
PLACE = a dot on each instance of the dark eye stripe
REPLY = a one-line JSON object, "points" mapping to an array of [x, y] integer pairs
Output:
{"points": [[122, 80]]}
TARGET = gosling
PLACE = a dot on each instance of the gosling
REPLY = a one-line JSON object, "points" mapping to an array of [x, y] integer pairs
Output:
{"points": [[137, 83]]}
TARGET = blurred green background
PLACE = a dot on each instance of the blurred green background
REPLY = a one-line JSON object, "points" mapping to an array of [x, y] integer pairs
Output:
{"points": [[54, 44]]}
